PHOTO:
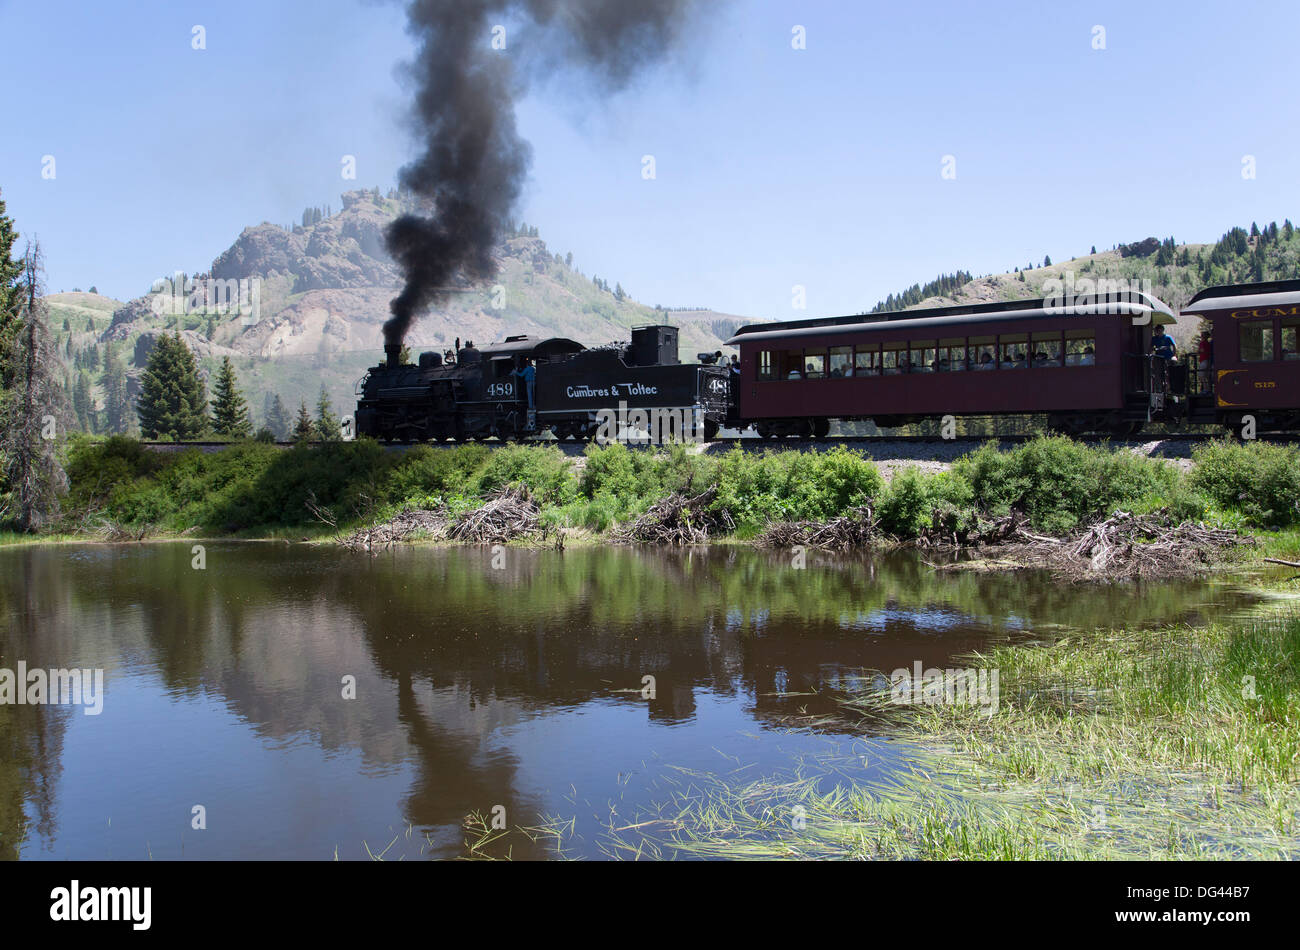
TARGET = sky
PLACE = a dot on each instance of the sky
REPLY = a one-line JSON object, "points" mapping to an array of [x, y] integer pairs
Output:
{"points": [[775, 167]]}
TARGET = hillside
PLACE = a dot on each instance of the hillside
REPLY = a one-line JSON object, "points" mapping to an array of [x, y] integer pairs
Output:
{"points": [[324, 293], [1173, 272]]}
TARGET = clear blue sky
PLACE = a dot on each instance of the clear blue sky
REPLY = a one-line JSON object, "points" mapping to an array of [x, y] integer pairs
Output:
{"points": [[775, 167]]}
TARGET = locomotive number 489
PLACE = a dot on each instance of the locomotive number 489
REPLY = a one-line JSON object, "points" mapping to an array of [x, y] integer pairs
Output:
{"points": [[501, 389]]}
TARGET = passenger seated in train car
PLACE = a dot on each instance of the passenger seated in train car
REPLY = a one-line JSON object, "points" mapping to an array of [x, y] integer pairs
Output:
{"points": [[986, 361], [794, 373], [1040, 358], [1087, 358]]}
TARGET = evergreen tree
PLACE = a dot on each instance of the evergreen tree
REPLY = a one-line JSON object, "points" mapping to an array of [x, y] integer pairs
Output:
{"points": [[303, 428], [1094, 249], [1047, 261], [277, 418], [35, 410], [173, 400], [327, 423], [11, 295], [229, 411], [83, 406], [117, 397]]}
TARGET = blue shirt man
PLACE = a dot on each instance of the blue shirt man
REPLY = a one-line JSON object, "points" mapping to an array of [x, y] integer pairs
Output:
{"points": [[1162, 344], [529, 375]]}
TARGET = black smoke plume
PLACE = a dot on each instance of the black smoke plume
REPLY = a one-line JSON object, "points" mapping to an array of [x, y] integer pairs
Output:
{"points": [[474, 161]]}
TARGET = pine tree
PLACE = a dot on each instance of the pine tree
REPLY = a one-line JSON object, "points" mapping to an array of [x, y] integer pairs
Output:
{"points": [[32, 414], [173, 400], [277, 417], [1094, 249], [1047, 261], [303, 428], [117, 397], [83, 406], [229, 411], [11, 295], [327, 423]]}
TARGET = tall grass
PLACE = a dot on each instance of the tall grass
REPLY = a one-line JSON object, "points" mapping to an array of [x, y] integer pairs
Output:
{"points": [[1171, 743]]}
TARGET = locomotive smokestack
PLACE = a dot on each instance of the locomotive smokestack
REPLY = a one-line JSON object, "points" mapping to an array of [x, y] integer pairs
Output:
{"points": [[394, 353]]}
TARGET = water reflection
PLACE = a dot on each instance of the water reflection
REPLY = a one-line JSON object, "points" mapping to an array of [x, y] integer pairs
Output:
{"points": [[475, 689]]}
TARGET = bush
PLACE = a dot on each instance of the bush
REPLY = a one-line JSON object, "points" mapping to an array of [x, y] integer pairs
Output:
{"points": [[543, 470], [1060, 483], [1259, 480], [425, 471], [792, 486]]}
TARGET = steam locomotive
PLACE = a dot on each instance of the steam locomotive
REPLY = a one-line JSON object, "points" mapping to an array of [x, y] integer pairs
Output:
{"points": [[481, 392]]}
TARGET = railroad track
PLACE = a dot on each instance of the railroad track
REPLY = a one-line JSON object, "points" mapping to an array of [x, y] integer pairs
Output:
{"points": [[755, 443]]}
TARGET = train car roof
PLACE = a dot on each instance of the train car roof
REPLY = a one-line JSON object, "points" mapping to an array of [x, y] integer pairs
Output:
{"points": [[1234, 296], [937, 318]]}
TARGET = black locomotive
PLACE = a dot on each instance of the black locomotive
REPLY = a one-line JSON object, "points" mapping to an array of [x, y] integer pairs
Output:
{"points": [[578, 393]]}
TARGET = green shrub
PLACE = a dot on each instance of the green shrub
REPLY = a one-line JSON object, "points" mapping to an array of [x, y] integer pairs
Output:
{"points": [[1259, 480], [543, 469], [1060, 483], [425, 471]]}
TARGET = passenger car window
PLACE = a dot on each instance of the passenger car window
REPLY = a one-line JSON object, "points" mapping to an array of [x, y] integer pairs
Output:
{"points": [[841, 363], [1290, 330], [1256, 341], [1080, 348]]}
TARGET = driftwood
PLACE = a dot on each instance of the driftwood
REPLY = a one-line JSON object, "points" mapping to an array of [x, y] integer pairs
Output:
{"points": [[677, 520], [508, 513], [1276, 560]]}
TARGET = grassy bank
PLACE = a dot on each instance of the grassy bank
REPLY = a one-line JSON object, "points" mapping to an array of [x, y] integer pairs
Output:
{"points": [[256, 490], [1174, 743]]}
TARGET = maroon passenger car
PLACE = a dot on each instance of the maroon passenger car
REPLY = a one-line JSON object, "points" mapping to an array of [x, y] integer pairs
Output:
{"points": [[1084, 361], [1256, 360]]}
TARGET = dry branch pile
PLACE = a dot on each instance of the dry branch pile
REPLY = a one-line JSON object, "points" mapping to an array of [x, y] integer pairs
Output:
{"points": [[1126, 546], [507, 514], [113, 531], [857, 529], [677, 520], [409, 523]]}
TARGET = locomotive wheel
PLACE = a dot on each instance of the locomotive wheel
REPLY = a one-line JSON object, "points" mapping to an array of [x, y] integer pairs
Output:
{"points": [[710, 430], [821, 428], [804, 429]]}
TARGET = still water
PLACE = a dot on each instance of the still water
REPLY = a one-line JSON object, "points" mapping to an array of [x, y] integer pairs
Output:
{"points": [[303, 702]]}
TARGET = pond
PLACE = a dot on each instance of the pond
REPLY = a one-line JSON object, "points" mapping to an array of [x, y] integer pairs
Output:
{"points": [[277, 701]]}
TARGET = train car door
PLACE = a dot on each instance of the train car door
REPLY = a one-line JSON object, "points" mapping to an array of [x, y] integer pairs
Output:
{"points": [[1136, 345]]}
